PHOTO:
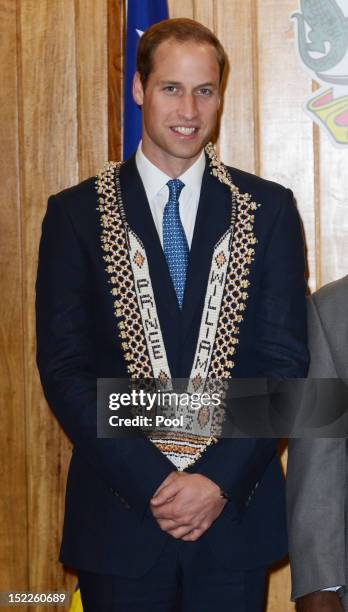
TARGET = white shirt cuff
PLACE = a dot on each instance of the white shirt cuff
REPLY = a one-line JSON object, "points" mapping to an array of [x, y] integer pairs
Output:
{"points": [[335, 588]]}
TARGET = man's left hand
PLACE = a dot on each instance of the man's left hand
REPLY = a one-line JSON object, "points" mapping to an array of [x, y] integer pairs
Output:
{"points": [[187, 505]]}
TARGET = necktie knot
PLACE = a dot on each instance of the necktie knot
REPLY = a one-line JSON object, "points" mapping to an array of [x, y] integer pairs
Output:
{"points": [[175, 187]]}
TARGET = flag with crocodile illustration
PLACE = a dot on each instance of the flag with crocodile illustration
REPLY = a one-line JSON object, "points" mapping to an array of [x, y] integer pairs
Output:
{"points": [[322, 41]]}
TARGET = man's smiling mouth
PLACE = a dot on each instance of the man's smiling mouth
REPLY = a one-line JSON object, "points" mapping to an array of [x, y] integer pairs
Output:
{"points": [[185, 131]]}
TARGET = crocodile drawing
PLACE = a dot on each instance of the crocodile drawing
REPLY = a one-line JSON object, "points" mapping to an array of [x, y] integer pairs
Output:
{"points": [[327, 31]]}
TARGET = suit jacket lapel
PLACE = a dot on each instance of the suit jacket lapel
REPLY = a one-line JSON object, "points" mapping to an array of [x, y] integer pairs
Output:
{"points": [[140, 220], [213, 219]]}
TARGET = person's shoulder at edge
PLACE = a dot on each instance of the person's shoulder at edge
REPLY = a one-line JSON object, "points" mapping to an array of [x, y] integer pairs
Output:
{"points": [[332, 291]]}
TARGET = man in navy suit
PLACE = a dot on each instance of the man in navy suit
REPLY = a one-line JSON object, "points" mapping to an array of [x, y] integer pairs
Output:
{"points": [[207, 261]]}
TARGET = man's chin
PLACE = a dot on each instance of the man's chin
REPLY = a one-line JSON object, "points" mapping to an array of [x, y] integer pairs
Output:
{"points": [[186, 150]]}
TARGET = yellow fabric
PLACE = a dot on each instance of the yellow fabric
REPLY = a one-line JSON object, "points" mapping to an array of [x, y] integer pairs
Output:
{"points": [[76, 603]]}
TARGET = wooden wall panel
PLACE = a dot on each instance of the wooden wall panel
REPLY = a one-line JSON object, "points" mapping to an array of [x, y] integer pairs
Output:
{"points": [[116, 29], [64, 124], [62, 76], [205, 12], [182, 8], [234, 27], [279, 588], [13, 498], [92, 77], [286, 133], [49, 157]]}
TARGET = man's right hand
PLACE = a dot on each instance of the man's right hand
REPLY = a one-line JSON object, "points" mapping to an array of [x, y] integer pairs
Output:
{"points": [[320, 601], [169, 479], [185, 505]]}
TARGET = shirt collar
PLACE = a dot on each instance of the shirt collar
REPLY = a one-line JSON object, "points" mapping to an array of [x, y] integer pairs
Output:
{"points": [[154, 179]]}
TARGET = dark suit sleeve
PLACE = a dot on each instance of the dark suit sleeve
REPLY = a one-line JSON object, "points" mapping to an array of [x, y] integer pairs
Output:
{"points": [[66, 361], [279, 351]]}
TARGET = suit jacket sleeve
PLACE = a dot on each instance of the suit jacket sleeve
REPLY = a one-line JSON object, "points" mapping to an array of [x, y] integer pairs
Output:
{"points": [[316, 486], [66, 361], [280, 348]]}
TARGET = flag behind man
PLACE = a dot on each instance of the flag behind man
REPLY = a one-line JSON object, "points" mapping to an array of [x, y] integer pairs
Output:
{"points": [[141, 14]]}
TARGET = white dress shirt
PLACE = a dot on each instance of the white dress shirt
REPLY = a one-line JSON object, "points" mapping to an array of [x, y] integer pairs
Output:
{"points": [[157, 191]]}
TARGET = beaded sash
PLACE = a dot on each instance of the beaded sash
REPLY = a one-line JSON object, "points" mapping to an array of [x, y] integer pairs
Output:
{"points": [[136, 313]]}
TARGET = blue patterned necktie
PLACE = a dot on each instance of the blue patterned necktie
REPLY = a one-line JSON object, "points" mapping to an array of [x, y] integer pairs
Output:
{"points": [[175, 245]]}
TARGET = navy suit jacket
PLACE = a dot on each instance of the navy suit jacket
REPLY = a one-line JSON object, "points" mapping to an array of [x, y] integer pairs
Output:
{"points": [[108, 526]]}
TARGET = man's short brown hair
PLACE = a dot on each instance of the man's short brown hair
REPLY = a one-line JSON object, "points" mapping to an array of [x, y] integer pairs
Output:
{"points": [[181, 30]]}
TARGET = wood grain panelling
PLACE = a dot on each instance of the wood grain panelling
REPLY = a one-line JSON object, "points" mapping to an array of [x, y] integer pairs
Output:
{"points": [[333, 211], [286, 133], [13, 483], [182, 8], [205, 12], [49, 162], [234, 27], [61, 117], [92, 76], [279, 589], [116, 29], [64, 139]]}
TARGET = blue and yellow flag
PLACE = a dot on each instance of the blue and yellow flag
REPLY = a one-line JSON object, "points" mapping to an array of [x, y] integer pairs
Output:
{"points": [[140, 15], [76, 603]]}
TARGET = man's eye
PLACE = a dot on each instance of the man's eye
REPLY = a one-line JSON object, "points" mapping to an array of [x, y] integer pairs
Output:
{"points": [[170, 89], [205, 91]]}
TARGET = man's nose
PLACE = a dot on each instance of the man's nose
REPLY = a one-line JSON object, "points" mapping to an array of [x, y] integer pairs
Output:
{"points": [[188, 107]]}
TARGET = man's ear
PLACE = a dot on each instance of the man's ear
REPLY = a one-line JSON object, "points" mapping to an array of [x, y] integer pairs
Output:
{"points": [[138, 92]]}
